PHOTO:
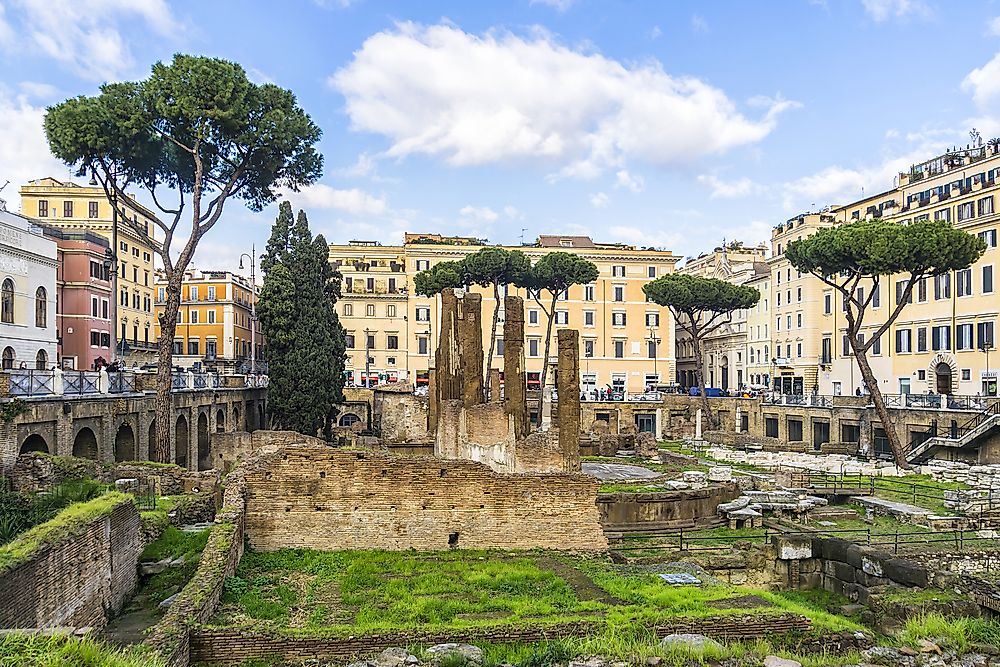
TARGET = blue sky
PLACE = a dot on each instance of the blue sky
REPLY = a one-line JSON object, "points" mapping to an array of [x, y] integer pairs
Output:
{"points": [[670, 124]]}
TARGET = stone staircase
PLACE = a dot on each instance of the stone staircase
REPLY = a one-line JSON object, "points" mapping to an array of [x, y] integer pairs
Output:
{"points": [[967, 435]]}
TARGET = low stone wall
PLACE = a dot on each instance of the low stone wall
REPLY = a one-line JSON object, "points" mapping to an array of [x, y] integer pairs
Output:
{"points": [[38, 472], [219, 646], [323, 498], [226, 449], [686, 508], [81, 579], [967, 561]]}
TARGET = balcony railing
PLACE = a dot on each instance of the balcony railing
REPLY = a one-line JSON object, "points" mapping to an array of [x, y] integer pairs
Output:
{"points": [[31, 382]]}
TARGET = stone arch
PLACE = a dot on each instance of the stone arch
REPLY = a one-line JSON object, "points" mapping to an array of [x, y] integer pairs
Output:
{"points": [[204, 451], [151, 440], [85, 444], [220, 421], [34, 443], [236, 418], [942, 374], [348, 419], [125, 443], [181, 438], [260, 415]]}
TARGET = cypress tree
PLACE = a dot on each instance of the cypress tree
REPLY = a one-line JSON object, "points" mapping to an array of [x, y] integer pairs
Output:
{"points": [[305, 338]]}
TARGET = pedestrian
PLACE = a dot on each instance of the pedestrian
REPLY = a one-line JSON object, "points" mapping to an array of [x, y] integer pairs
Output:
{"points": [[857, 392]]}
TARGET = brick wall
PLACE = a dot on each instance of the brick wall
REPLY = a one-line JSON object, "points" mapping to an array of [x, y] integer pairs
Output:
{"points": [[38, 472], [402, 417], [685, 508], [220, 646], [228, 448], [77, 582], [321, 498]]}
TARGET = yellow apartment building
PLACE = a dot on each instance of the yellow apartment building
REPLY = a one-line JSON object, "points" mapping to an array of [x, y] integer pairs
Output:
{"points": [[215, 323], [626, 342], [726, 351], [758, 338], [73, 207]]}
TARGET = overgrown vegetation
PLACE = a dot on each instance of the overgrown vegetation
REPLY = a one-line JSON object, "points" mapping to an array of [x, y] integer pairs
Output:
{"points": [[20, 512], [956, 633], [24, 650]]}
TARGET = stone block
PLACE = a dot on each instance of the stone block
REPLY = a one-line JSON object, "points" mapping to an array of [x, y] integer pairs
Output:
{"points": [[792, 548], [905, 572], [871, 565], [720, 474], [844, 572]]}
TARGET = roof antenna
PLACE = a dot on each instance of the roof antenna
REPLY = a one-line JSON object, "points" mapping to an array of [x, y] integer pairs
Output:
{"points": [[523, 230], [3, 202]]}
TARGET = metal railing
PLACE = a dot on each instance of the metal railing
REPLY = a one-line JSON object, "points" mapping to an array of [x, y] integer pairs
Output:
{"points": [[121, 382], [81, 382], [31, 382]]}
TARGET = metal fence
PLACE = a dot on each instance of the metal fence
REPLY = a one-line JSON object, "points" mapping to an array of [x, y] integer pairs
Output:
{"points": [[31, 382], [121, 382], [81, 382]]}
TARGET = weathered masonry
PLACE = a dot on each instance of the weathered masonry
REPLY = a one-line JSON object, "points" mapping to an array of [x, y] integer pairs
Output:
{"points": [[120, 427]]}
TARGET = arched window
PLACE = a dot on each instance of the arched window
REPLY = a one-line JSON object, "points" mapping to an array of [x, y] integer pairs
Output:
{"points": [[7, 302], [41, 360], [8, 358], [40, 306]]}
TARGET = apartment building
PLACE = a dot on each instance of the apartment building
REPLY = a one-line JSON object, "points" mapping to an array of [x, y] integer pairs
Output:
{"points": [[626, 342], [77, 208], [216, 327], [725, 350]]}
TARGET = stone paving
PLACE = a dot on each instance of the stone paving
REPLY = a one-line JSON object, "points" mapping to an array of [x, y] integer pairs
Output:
{"points": [[619, 472]]}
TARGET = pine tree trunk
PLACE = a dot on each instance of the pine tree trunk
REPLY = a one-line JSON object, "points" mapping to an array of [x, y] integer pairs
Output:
{"points": [[700, 378], [871, 383], [487, 388], [548, 340], [160, 451]]}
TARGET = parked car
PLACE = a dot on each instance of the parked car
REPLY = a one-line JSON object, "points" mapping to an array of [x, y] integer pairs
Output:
{"points": [[710, 392]]}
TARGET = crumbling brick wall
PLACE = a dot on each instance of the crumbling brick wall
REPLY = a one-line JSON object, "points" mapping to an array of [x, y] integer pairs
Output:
{"points": [[326, 499]]}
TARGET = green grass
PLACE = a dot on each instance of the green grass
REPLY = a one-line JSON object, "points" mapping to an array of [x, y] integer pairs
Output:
{"points": [[24, 650], [68, 524], [174, 543], [350, 592], [19, 512], [956, 633]]}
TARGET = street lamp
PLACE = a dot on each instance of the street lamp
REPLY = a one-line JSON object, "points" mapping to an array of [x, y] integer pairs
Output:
{"points": [[654, 341], [253, 306], [368, 360], [984, 346]]}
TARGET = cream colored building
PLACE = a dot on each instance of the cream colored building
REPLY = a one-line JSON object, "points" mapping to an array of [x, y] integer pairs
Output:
{"points": [[68, 206], [626, 342], [726, 350]]}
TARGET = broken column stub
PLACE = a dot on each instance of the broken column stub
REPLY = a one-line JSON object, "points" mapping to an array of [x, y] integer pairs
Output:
{"points": [[568, 388], [470, 348], [447, 361], [515, 400]]}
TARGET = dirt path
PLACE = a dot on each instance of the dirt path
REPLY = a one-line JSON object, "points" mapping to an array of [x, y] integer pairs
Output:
{"points": [[581, 584], [130, 626]]}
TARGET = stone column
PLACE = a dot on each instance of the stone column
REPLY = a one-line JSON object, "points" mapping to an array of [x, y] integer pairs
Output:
{"points": [[447, 362], [515, 401], [470, 348], [494, 396], [432, 404], [568, 387], [697, 425]]}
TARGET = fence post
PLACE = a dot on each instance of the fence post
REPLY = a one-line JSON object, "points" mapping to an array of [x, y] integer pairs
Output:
{"points": [[57, 381], [680, 546]]}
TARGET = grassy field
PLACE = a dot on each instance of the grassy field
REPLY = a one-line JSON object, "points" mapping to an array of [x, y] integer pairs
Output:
{"points": [[338, 593]]}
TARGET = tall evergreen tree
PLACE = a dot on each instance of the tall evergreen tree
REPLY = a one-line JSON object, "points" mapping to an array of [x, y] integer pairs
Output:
{"points": [[305, 339]]}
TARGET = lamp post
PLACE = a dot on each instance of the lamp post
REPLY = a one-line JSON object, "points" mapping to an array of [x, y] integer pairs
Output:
{"points": [[654, 341], [368, 360], [984, 347], [253, 306]]}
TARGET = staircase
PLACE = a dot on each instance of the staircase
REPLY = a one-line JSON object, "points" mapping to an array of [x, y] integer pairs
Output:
{"points": [[966, 435]]}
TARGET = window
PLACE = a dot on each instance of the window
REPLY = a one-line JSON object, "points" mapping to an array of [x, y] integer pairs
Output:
{"points": [[194, 317], [210, 288], [211, 348], [619, 293], [370, 341], [827, 354], [370, 310], [941, 338], [532, 347], [877, 346], [771, 427], [794, 430], [984, 335], [922, 290], [922, 339], [618, 319], [900, 290], [846, 346], [942, 286], [562, 317], [943, 214], [798, 294], [500, 347], [651, 349], [211, 315], [67, 209], [349, 340], [423, 264], [877, 296], [988, 279], [966, 374], [532, 317], [650, 271], [160, 294], [798, 320], [135, 251], [588, 348], [422, 345], [618, 271], [193, 347], [965, 211], [827, 303], [105, 308], [779, 298], [652, 319], [985, 206], [963, 337], [390, 310], [392, 342], [963, 282], [619, 349], [798, 350], [93, 306], [921, 375], [989, 237], [370, 285], [904, 340], [588, 292], [41, 306], [348, 309], [43, 208], [7, 302], [423, 314], [788, 322], [588, 318], [95, 338], [92, 209]]}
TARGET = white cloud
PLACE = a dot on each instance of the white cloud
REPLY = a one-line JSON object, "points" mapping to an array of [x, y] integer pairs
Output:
{"points": [[599, 200], [480, 213], [881, 10], [558, 5], [984, 84], [642, 237], [478, 99], [512, 213], [741, 187], [699, 24], [623, 179], [84, 35], [6, 31], [655, 32], [354, 201], [24, 151], [37, 90], [363, 167]]}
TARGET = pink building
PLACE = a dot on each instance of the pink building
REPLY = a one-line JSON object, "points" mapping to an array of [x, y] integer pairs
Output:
{"points": [[83, 297]]}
